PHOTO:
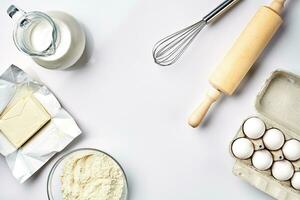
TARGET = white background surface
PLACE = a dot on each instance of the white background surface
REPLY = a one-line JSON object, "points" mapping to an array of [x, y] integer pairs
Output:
{"points": [[136, 111]]}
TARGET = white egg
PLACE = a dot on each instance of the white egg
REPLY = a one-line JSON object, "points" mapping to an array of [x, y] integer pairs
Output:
{"points": [[254, 128], [273, 139], [291, 150], [262, 160], [282, 170], [242, 148], [295, 182]]}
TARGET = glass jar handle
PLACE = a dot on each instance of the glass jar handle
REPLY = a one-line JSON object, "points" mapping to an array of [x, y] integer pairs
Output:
{"points": [[15, 12]]}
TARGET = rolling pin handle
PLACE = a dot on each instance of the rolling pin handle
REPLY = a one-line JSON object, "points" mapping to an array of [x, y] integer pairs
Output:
{"points": [[277, 5], [198, 115]]}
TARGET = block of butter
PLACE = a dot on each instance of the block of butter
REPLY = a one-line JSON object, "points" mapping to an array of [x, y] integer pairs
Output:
{"points": [[22, 120], [33, 124]]}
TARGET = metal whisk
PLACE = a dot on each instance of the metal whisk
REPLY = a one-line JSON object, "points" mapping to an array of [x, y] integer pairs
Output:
{"points": [[169, 49]]}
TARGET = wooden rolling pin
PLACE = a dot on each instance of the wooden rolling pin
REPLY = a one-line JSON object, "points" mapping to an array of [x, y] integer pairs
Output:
{"points": [[239, 59]]}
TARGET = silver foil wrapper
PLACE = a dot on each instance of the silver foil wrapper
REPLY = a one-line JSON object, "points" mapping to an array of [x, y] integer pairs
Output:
{"points": [[60, 131]]}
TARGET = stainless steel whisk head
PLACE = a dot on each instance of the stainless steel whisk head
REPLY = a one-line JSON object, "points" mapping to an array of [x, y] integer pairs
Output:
{"points": [[169, 49]]}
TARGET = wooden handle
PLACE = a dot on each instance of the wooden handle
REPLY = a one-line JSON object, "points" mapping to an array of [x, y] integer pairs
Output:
{"points": [[277, 5], [198, 115]]}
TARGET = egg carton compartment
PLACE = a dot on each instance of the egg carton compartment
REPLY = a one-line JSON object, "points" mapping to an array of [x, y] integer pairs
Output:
{"points": [[263, 179], [278, 106]]}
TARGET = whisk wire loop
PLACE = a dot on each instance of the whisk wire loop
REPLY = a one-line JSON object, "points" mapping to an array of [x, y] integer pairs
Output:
{"points": [[169, 49]]}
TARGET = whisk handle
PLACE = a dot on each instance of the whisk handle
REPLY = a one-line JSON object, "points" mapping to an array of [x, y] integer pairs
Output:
{"points": [[218, 11]]}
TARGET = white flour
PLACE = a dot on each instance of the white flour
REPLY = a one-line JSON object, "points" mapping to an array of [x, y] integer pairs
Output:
{"points": [[92, 176]]}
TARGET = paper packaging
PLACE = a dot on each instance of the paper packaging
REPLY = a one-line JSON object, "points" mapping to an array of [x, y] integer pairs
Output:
{"points": [[278, 106], [60, 131]]}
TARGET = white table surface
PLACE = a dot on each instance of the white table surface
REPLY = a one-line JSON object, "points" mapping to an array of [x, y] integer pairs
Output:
{"points": [[136, 111]]}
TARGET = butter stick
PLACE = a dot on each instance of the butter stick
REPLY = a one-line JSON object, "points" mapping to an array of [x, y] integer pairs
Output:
{"points": [[22, 120]]}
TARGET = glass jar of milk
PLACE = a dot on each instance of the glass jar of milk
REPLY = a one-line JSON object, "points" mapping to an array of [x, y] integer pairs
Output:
{"points": [[54, 40]]}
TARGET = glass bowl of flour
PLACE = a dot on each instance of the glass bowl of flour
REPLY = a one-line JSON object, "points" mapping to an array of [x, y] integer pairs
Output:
{"points": [[87, 174]]}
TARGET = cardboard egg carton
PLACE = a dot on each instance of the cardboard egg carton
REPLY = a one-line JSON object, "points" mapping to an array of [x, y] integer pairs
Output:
{"points": [[278, 105]]}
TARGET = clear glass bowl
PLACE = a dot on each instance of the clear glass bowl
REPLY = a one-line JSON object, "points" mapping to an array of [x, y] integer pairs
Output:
{"points": [[54, 178]]}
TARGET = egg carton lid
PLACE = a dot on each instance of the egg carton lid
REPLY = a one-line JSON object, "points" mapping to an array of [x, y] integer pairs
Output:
{"points": [[279, 101]]}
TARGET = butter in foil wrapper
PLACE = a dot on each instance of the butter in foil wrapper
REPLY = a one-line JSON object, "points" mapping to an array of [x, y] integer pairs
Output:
{"points": [[52, 138]]}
